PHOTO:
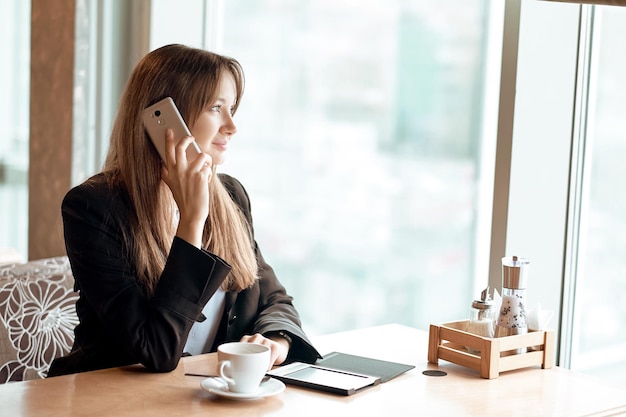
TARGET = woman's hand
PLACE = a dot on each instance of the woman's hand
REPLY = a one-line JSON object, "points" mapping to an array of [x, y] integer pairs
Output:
{"points": [[189, 183], [279, 347]]}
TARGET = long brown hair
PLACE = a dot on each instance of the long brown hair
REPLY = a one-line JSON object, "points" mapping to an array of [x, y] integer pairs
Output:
{"points": [[191, 77]]}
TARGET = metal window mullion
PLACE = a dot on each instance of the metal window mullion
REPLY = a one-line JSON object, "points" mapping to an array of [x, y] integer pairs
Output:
{"points": [[504, 145], [576, 193], [213, 25]]}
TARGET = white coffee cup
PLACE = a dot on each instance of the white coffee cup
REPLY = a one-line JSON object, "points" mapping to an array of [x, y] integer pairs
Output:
{"points": [[243, 365]]}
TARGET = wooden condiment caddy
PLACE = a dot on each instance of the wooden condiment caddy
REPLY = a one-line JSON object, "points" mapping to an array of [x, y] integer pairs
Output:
{"points": [[450, 342]]}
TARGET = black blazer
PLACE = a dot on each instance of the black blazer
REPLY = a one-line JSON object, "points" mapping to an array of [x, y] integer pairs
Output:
{"points": [[119, 325]]}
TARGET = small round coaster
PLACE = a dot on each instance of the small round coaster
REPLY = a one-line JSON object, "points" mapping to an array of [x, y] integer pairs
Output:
{"points": [[433, 372]]}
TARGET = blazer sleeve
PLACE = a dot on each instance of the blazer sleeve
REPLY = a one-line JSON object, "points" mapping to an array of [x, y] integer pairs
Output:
{"points": [[266, 308], [148, 330]]}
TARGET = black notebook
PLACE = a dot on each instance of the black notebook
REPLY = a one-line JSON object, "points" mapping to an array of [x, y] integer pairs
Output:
{"points": [[385, 370]]}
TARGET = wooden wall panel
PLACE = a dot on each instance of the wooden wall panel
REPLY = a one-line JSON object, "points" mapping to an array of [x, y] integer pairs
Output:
{"points": [[51, 89]]}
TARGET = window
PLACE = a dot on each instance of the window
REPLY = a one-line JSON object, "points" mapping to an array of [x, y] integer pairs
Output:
{"points": [[14, 108], [565, 204], [361, 142], [599, 343]]}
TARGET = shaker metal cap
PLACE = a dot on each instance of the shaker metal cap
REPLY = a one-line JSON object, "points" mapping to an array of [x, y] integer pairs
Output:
{"points": [[485, 302], [515, 272], [483, 305]]}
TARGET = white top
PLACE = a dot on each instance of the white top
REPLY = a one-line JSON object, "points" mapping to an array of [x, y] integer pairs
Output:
{"points": [[202, 334]]}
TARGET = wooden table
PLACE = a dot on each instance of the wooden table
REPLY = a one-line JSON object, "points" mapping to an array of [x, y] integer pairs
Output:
{"points": [[133, 391]]}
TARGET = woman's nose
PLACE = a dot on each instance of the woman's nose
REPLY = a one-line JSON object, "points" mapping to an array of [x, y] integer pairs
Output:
{"points": [[229, 128]]}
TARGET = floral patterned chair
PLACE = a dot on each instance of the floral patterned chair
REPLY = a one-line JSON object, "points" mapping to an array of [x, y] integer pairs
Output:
{"points": [[37, 317]]}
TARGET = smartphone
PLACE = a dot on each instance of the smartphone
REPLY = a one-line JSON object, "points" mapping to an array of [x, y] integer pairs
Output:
{"points": [[165, 115]]}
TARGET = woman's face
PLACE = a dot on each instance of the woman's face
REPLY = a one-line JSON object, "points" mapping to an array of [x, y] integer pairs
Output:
{"points": [[214, 127]]}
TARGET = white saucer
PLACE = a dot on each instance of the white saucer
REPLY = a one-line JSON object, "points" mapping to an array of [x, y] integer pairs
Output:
{"points": [[219, 387]]}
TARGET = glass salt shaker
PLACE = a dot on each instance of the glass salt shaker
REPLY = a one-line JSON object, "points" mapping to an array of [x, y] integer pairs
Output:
{"points": [[482, 315]]}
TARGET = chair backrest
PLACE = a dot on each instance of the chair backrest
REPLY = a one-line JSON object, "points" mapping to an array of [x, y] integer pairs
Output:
{"points": [[37, 317]]}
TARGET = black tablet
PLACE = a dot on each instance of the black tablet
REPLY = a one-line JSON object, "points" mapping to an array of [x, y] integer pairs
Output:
{"points": [[323, 379], [386, 370]]}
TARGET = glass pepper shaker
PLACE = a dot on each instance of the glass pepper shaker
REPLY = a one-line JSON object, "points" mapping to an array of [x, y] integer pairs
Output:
{"points": [[512, 318]]}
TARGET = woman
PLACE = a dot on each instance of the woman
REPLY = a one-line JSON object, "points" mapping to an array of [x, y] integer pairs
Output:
{"points": [[163, 252]]}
